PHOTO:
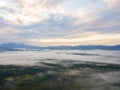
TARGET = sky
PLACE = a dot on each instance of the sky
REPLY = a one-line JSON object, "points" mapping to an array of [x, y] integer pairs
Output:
{"points": [[60, 22]]}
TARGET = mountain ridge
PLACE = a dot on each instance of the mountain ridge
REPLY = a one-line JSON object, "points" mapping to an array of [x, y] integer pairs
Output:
{"points": [[20, 46]]}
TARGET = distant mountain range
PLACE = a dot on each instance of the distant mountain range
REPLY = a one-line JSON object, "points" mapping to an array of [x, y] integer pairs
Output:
{"points": [[15, 47], [19, 47]]}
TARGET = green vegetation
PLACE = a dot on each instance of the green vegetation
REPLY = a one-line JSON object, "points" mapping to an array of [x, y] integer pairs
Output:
{"points": [[58, 77]]}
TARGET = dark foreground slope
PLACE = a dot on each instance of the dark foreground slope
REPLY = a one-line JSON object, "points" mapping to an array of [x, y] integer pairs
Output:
{"points": [[90, 76]]}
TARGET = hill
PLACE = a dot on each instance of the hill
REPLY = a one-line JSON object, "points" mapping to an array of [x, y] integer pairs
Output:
{"points": [[15, 47]]}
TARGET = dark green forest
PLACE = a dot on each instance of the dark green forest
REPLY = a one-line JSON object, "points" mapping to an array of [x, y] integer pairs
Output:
{"points": [[57, 77]]}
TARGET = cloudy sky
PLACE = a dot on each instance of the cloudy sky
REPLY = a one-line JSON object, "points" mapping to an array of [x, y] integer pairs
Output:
{"points": [[60, 22]]}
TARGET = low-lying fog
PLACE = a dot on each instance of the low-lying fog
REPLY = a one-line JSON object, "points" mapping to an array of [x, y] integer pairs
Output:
{"points": [[61, 70], [58, 56]]}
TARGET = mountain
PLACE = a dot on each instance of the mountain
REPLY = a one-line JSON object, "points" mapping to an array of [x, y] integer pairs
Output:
{"points": [[88, 47], [17, 47]]}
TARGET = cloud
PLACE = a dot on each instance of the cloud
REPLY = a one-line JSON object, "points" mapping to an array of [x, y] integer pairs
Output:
{"points": [[59, 22], [8, 34], [26, 12], [111, 3], [9, 30], [80, 17], [43, 3]]}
